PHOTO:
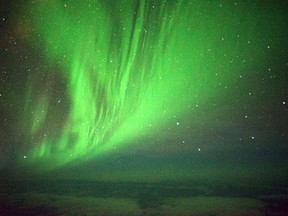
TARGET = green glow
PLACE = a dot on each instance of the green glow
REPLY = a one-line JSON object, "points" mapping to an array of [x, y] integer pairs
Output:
{"points": [[127, 65]]}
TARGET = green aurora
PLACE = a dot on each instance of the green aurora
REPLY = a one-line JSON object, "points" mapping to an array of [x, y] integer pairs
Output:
{"points": [[125, 68]]}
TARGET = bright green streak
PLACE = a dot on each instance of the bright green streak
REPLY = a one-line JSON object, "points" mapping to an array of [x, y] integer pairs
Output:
{"points": [[129, 67]]}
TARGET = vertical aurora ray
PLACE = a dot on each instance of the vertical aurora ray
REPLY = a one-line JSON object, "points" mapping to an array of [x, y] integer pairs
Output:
{"points": [[125, 64]]}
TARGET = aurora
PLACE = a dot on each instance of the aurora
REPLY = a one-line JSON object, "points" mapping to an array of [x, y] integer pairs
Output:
{"points": [[118, 71], [143, 107]]}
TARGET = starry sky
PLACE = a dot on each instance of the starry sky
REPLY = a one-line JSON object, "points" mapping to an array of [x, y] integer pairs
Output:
{"points": [[168, 83]]}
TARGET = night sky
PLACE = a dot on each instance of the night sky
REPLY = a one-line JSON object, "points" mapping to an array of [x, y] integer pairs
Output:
{"points": [[136, 89]]}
